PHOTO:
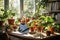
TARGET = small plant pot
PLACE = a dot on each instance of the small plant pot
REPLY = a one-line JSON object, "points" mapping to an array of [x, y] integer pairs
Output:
{"points": [[14, 28], [1, 23], [48, 33], [35, 27], [42, 29], [31, 29], [27, 20], [39, 29], [11, 21], [52, 30]]}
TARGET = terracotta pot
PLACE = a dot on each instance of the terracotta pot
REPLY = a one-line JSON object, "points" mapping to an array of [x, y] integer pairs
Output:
{"points": [[35, 27], [52, 30], [14, 27], [42, 28], [32, 29], [11, 21], [39, 29], [1, 23], [48, 33], [27, 20]]}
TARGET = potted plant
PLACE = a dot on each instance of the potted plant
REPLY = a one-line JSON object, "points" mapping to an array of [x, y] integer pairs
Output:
{"points": [[10, 17], [3, 17], [42, 22], [50, 24], [48, 33], [11, 21]]}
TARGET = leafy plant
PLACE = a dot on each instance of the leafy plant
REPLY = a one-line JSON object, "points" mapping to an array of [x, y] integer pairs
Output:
{"points": [[10, 13], [49, 21], [46, 20], [57, 27], [4, 15]]}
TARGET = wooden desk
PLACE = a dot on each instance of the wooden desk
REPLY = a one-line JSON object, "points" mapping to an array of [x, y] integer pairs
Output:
{"points": [[31, 37]]}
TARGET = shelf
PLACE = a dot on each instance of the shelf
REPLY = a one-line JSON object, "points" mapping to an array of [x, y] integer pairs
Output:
{"points": [[54, 11], [53, 1]]}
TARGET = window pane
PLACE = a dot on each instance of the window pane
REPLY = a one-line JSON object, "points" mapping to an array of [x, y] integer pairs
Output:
{"points": [[15, 6], [29, 7]]}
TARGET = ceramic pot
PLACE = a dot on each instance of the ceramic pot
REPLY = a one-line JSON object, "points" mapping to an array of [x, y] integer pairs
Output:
{"points": [[31, 29], [52, 30], [11, 21], [42, 28], [39, 29]]}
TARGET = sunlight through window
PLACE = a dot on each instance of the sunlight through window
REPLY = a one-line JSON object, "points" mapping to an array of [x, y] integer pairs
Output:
{"points": [[15, 6]]}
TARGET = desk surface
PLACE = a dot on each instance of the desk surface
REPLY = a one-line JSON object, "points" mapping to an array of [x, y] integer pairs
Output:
{"points": [[34, 36]]}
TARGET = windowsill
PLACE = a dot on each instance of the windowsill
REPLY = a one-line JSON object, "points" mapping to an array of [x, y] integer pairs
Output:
{"points": [[34, 36]]}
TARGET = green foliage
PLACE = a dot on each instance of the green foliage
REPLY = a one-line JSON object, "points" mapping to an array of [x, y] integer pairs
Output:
{"points": [[49, 19], [46, 21], [57, 27], [40, 5], [4, 15], [10, 13], [44, 3], [42, 17]]}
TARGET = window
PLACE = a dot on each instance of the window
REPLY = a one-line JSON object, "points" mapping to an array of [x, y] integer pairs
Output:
{"points": [[24, 7], [15, 6], [29, 7]]}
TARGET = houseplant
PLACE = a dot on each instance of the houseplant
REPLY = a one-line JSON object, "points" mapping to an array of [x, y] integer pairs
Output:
{"points": [[3, 17], [10, 17], [50, 24]]}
